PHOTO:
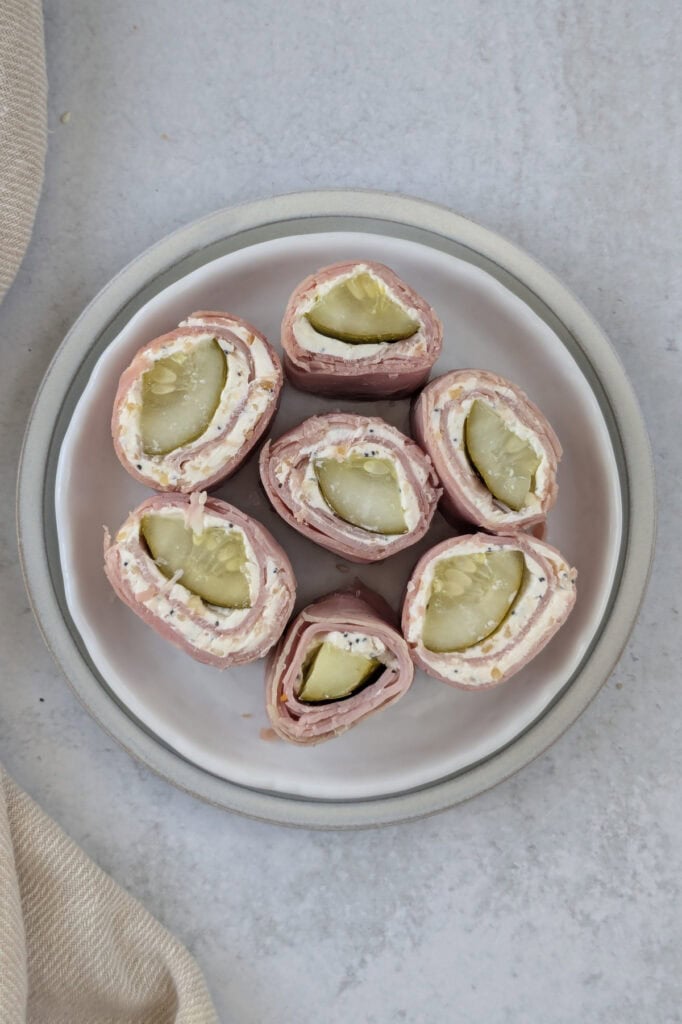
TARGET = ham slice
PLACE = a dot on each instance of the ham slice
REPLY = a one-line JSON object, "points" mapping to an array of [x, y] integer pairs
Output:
{"points": [[438, 424], [327, 366], [543, 604], [246, 407], [287, 468], [355, 620], [213, 635]]}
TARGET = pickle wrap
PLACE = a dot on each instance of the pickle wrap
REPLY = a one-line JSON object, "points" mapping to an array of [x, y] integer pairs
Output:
{"points": [[353, 618], [534, 612], [241, 402], [220, 636], [328, 365]]}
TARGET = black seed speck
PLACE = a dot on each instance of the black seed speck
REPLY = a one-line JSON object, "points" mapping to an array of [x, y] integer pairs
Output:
{"points": [[125, 565], [488, 549], [541, 579], [139, 466], [217, 623], [41, 699], [172, 611]]}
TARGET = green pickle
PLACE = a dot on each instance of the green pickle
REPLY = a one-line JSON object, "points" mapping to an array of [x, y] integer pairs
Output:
{"points": [[364, 492], [333, 673], [180, 395], [212, 562], [505, 461], [471, 596], [359, 311]]}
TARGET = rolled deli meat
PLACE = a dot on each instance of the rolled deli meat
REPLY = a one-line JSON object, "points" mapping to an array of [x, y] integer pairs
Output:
{"points": [[478, 608], [340, 661], [353, 484], [495, 454], [204, 575], [354, 329], [193, 403]]}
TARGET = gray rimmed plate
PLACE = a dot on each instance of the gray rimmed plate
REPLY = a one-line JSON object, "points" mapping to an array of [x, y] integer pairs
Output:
{"points": [[202, 729]]}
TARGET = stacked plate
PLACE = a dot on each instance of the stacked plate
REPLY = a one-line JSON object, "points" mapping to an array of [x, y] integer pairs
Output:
{"points": [[203, 729]]}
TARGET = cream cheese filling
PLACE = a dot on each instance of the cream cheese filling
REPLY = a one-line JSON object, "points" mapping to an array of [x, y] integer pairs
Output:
{"points": [[358, 643]]}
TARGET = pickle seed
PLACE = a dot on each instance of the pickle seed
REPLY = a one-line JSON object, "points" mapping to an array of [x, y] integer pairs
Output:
{"points": [[164, 375], [375, 468], [355, 287]]}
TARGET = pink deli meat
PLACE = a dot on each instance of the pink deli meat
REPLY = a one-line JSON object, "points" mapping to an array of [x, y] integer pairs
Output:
{"points": [[350, 617], [544, 602], [384, 370], [438, 424], [247, 405], [213, 635], [288, 476]]}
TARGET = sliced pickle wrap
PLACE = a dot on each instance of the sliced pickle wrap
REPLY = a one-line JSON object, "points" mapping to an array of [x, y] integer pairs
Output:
{"points": [[193, 403], [348, 622], [488, 443], [245, 577], [354, 329], [500, 617], [353, 484]]}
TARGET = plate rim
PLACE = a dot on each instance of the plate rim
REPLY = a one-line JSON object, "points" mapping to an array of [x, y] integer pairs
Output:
{"points": [[273, 214]]}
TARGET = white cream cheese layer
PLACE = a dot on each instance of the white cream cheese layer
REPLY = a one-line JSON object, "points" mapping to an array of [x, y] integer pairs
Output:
{"points": [[358, 643], [342, 444], [204, 625], [191, 463], [312, 341], [460, 666]]}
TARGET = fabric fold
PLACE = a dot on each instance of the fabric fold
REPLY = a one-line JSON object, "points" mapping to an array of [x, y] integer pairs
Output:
{"points": [[76, 948], [23, 128]]}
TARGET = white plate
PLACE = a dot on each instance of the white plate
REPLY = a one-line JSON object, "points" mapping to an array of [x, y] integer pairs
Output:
{"points": [[214, 718], [202, 728]]}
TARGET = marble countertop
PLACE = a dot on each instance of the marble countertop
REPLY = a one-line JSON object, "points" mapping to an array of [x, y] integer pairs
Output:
{"points": [[555, 897]]}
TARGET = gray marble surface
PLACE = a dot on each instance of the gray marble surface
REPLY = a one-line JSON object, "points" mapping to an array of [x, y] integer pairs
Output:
{"points": [[555, 897]]}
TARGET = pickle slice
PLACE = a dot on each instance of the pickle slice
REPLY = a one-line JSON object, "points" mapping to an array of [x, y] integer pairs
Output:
{"points": [[180, 395], [506, 462], [364, 492], [471, 596], [213, 562], [358, 310], [333, 673]]}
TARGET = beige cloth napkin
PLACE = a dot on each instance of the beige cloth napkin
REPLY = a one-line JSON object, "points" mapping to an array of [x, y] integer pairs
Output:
{"points": [[75, 948], [23, 128]]}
